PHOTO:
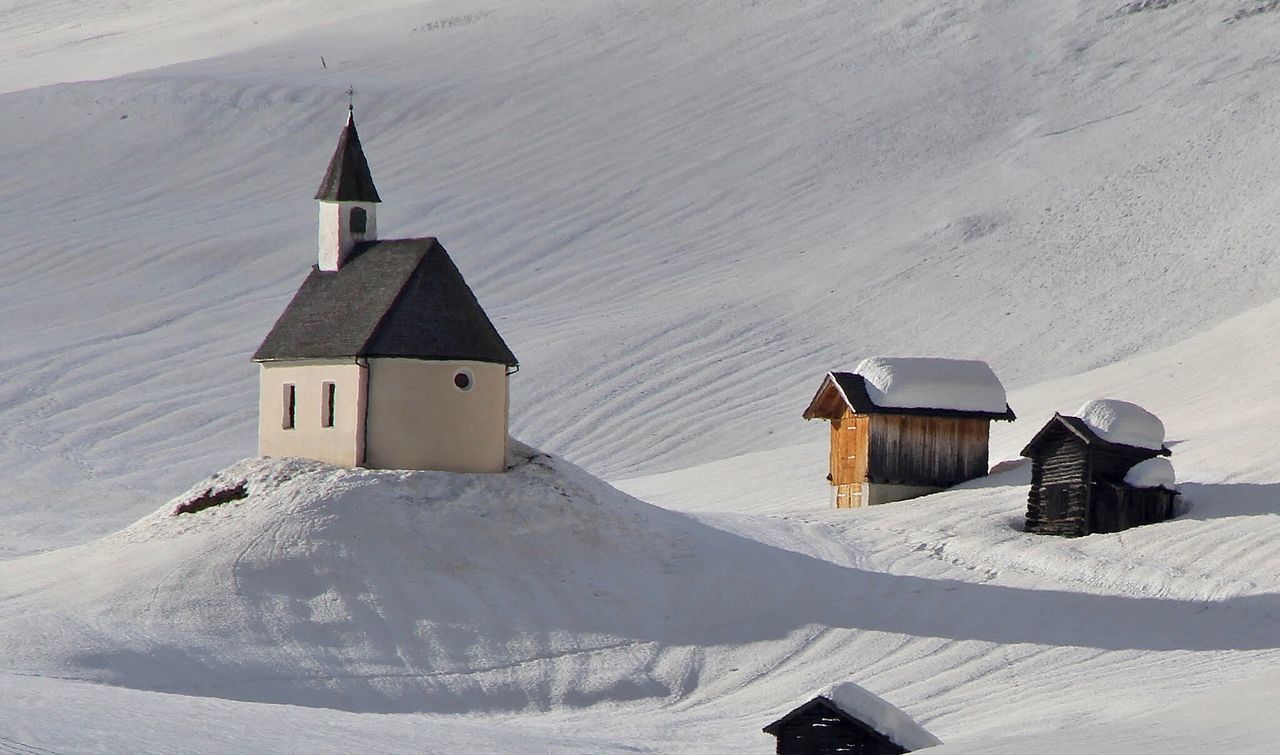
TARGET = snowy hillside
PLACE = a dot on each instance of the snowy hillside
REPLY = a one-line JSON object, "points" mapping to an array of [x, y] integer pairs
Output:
{"points": [[385, 591], [545, 590], [660, 203], [680, 216]]}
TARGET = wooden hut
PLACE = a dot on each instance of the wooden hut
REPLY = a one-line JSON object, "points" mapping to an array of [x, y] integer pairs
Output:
{"points": [[846, 718], [907, 427], [1082, 482]]}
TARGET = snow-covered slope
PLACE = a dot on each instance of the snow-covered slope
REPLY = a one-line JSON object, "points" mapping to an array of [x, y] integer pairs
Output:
{"points": [[398, 591], [680, 215], [667, 207], [381, 591]]}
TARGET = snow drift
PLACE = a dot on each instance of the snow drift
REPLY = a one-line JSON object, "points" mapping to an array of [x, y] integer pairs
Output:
{"points": [[365, 590], [1152, 473], [396, 591], [933, 383]]}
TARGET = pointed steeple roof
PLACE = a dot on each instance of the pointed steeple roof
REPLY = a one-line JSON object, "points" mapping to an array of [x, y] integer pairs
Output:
{"points": [[348, 178]]}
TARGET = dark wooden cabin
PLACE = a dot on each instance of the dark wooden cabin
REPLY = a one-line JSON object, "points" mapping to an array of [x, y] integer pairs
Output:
{"points": [[1078, 487], [848, 719], [883, 454]]}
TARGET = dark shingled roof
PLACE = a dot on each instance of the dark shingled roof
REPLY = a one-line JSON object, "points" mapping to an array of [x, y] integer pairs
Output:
{"points": [[854, 388], [401, 298], [348, 178], [1080, 429]]}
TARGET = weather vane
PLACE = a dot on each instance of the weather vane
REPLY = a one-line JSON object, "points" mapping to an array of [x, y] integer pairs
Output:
{"points": [[351, 98]]}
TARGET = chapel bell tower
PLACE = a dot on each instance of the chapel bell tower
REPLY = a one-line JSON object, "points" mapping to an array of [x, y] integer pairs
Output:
{"points": [[348, 200]]}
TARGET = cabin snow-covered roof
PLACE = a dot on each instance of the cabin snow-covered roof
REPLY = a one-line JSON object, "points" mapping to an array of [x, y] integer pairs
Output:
{"points": [[1081, 429], [960, 388], [966, 385], [1123, 422], [871, 710], [397, 298], [348, 178]]}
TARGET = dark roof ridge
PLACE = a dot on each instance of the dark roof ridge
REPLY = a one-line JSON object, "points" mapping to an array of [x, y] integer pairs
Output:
{"points": [[853, 388], [1081, 430], [822, 701], [431, 243], [364, 246], [407, 301]]}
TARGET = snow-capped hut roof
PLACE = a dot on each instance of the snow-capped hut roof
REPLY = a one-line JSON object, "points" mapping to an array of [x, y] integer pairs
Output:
{"points": [[402, 298], [348, 178], [1123, 422], [961, 388], [1107, 423], [850, 717]]}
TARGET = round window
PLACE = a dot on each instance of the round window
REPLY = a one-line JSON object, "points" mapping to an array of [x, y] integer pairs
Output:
{"points": [[462, 379]]}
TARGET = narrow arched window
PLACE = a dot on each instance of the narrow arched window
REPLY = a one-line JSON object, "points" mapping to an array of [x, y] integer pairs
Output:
{"points": [[359, 220]]}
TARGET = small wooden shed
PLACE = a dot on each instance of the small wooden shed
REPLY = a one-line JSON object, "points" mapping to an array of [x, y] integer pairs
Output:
{"points": [[882, 452], [846, 718], [1081, 482]]}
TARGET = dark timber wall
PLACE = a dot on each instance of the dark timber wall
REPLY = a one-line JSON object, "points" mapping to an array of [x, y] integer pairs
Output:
{"points": [[1060, 479], [922, 450], [1078, 488], [821, 729], [1113, 508]]}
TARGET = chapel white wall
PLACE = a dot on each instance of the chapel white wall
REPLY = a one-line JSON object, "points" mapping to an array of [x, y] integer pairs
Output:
{"points": [[419, 419], [336, 238], [341, 444]]}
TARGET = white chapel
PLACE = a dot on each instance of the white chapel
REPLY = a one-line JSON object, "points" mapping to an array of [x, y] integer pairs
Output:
{"points": [[383, 358]]}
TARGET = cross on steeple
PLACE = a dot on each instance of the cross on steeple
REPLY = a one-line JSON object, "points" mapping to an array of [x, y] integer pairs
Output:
{"points": [[351, 99]]}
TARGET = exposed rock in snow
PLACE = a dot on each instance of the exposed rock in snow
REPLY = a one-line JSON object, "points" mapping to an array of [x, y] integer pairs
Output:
{"points": [[880, 715], [1123, 422], [933, 383], [1152, 473]]}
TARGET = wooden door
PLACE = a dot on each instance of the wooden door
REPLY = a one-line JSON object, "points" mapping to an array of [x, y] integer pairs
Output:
{"points": [[848, 496], [848, 449]]}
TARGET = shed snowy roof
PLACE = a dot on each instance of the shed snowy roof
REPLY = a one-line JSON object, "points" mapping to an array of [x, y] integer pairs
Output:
{"points": [[399, 298], [965, 385], [1081, 429], [1123, 422], [871, 710], [348, 178], [915, 385]]}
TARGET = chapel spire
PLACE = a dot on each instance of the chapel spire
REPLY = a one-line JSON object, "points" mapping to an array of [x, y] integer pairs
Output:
{"points": [[348, 178], [348, 200]]}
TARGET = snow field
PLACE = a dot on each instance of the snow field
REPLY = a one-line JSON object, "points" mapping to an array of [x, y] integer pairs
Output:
{"points": [[680, 215], [661, 206]]}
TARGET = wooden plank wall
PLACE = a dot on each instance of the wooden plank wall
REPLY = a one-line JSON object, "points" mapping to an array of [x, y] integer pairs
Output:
{"points": [[1114, 508], [1077, 490], [849, 449], [1057, 503], [849, 496], [917, 450]]}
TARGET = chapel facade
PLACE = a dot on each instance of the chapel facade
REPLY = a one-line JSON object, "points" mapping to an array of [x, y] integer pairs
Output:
{"points": [[384, 358]]}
